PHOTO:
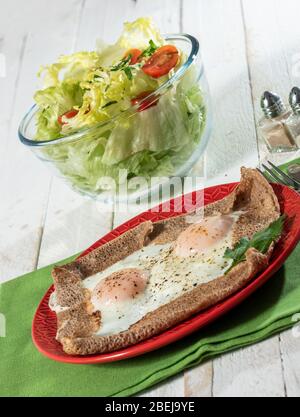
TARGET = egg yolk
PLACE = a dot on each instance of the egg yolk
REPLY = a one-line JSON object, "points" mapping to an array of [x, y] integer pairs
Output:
{"points": [[203, 235], [121, 286]]}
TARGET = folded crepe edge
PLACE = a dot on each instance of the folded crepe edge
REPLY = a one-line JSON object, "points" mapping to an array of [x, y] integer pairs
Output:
{"points": [[78, 323]]}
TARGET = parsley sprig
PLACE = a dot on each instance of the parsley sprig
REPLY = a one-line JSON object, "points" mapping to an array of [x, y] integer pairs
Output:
{"points": [[260, 241], [124, 64], [150, 50]]}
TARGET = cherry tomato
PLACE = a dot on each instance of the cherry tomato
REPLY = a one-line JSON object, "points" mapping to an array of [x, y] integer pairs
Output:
{"points": [[147, 103], [68, 115], [135, 54], [162, 61]]}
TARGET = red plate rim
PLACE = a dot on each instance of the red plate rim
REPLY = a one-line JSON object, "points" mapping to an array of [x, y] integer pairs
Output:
{"points": [[48, 346]]}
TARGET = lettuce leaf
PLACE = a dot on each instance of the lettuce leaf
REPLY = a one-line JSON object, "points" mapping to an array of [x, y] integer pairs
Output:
{"points": [[52, 102], [152, 142], [138, 33]]}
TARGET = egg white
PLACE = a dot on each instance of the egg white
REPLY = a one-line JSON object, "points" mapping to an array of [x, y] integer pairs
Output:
{"points": [[170, 276]]}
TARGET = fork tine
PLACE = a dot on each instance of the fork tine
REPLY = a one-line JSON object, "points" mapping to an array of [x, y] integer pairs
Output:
{"points": [[263, 174], [274, 175], [287, 178]]}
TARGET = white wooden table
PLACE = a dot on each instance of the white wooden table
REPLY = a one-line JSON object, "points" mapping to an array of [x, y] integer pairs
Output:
{"points": [[247, 46]]}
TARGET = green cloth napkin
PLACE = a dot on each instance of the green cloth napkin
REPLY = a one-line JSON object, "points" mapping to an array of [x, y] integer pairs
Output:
{"points": [[287, 164], [25, 372], [284, 167]]}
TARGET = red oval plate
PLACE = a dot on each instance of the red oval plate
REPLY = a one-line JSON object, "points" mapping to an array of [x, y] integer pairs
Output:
{"points": [[44, 324]]}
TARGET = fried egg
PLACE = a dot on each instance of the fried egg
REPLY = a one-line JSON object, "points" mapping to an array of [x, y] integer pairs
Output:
{"points": [[157, 274]]}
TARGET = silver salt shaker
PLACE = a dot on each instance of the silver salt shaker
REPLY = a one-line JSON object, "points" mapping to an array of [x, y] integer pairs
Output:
{"points": [[273, 126], [294, 119]]}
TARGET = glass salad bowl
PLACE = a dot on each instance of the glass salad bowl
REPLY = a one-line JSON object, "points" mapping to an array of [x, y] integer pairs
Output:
{"points": [[159, 137]]}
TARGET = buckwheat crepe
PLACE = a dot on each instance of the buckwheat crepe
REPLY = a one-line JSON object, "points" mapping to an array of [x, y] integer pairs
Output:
{"points": [[79, 322]]}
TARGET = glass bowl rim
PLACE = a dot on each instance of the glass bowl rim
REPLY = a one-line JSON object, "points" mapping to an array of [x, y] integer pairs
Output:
{"points": [[195, 48]]}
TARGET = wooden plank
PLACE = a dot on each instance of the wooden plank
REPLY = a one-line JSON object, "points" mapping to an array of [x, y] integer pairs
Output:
{"points": [[102, 20], [73, 222], [290, 352], [218, 26], [107, 17], [11, 54], [25, 182], [173, 387], [274, 63], [250, 372], [11, 49], [198, 381], [166, 15], [12, 44], [272, 50]]}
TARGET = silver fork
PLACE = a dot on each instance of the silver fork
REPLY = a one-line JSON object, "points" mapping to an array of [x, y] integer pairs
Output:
{"points": [[279, 176]]}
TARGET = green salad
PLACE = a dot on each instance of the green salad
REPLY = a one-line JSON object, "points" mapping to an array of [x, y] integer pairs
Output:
{"points": [[107, 100]]}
